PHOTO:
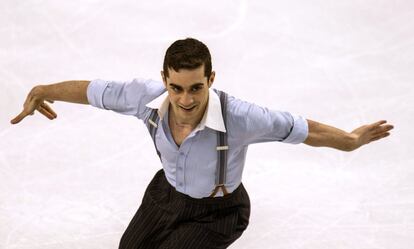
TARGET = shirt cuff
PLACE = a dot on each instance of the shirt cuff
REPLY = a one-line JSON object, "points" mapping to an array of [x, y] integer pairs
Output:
{"points": [[95, 92], [299, 130]]}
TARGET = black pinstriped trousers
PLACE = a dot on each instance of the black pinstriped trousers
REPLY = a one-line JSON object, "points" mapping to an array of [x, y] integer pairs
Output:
{"points": [[170, 219]]}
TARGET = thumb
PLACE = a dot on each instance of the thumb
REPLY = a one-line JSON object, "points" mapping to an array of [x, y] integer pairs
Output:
{"points": [[19, 118]]}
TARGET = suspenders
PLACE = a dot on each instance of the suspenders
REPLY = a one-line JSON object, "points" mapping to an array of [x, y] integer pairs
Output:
{"points": [[152, 126], [222, 146]]}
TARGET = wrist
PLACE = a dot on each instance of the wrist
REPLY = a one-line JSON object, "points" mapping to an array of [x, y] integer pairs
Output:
{"points": [[40, 92], [353, 141]]}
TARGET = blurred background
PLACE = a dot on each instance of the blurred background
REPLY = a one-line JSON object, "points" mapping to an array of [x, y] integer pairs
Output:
{"points": [[76, 181]]}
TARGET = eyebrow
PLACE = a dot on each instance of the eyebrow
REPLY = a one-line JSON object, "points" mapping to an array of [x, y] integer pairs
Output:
{"points": [[193, 85]]}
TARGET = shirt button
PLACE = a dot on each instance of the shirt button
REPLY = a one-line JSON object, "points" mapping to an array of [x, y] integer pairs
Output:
{"points": [[181, 153], [180, 184]]}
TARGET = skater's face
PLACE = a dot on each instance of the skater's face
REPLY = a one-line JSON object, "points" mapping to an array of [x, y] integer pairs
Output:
{"points": [[188, 93]]}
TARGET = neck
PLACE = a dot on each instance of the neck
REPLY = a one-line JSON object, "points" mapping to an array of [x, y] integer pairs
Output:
{"points": [[184, 124]]}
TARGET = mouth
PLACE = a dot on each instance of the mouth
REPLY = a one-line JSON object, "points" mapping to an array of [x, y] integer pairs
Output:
{"points": [[188, 109]]}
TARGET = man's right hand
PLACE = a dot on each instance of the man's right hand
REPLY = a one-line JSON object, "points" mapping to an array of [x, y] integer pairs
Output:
{"points": [[35, 101]]}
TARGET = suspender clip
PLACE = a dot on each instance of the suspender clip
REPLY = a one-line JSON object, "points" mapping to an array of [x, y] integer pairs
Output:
{"points": [[152, 123], [223, 147]]}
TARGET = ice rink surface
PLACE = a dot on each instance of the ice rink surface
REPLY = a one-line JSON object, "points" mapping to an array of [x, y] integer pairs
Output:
{"points": [[76, 181]]}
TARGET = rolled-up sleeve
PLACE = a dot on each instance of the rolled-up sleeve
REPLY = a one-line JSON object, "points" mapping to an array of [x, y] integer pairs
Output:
{"points": [[127, 98], [255, 124], [299, 131], [95, 92]]}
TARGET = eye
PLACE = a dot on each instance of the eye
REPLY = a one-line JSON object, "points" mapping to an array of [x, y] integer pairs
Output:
{"points": [[196, 88], [175, 89]]}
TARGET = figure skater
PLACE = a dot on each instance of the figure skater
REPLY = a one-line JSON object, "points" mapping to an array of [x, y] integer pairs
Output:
{"points": [[201, 134]]}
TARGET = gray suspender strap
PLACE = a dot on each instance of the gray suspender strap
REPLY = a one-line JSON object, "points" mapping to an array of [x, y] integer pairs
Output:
{"points": [[152, 126], [222, 148]]}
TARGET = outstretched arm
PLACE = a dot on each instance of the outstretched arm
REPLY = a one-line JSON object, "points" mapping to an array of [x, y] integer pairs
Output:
{"points": [[328, 136], [68, 91]]}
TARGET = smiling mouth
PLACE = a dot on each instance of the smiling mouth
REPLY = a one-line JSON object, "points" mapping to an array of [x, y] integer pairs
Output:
{"points": [[188, 109]]}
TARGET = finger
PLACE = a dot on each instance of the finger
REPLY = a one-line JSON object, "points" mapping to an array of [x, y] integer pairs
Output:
{"points": [[29, 106], [375, 127], [379, 123], [50, 101], [380, 130], [19, 117], [46, 113], [381, 136], [49, 109], [388, 127]]}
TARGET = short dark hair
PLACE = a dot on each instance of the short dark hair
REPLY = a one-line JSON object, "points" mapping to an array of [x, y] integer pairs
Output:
{"points": [[188, 53]]}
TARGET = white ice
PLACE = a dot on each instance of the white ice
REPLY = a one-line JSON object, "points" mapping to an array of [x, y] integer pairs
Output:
{"points": [[76, 182]]}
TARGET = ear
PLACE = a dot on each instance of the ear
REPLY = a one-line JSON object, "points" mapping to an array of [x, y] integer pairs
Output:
{"points": [[211, 80], [164, 79]]}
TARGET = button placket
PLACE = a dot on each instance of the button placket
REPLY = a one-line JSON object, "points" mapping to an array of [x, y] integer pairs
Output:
{"points": [[183, 151], [180, 167]]}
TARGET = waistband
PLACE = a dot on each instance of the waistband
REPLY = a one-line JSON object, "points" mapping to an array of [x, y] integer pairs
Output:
{"points": [[161, 191], [206, 200]]}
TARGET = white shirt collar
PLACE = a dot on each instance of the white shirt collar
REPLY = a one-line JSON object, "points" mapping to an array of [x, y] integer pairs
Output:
{"points": [[212, 116]]}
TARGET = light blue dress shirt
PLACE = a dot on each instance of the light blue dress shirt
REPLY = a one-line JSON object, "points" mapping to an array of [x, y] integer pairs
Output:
{"points": [[191, 167]]}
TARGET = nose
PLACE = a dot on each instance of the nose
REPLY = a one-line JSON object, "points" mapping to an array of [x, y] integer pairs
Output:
{"points": [[186, 100]]}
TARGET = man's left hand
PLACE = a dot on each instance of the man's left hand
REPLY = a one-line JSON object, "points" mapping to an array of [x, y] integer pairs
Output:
{"points": [[372, 132]]}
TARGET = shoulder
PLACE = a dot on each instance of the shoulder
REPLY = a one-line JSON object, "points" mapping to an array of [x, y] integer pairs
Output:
{"points": [[149, 87], [237, 108], [141, 90], [236, 111]]}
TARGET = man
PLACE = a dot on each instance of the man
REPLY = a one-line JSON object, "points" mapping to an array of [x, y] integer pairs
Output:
{"points": [[201, 135]]}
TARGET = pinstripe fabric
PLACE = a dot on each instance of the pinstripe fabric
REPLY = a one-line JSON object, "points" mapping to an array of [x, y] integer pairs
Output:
{"points": [[170, 219]]}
